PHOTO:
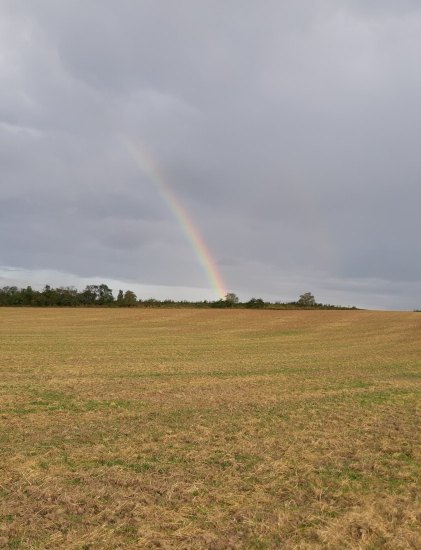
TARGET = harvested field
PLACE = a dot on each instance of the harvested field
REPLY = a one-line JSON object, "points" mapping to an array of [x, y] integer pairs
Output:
{"points": [[136, 428]]}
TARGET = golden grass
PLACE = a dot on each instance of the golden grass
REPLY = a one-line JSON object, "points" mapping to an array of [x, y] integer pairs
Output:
{"points": [[209, 429]]}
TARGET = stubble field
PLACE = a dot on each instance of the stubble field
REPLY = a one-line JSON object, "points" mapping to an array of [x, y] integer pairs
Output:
{"points": [[134, 428]]}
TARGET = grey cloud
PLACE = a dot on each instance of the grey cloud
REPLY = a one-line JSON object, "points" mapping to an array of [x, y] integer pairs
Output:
{"points": [[289, 131]]}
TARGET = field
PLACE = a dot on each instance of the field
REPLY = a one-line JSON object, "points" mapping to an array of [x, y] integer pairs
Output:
{"points": [[137, 428]]}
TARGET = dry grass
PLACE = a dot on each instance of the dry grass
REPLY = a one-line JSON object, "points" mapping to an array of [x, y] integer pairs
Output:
{"points": [[209, 429]]}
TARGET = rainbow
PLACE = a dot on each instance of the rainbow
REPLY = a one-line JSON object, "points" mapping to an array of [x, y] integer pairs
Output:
{"points": [[149, 166]]}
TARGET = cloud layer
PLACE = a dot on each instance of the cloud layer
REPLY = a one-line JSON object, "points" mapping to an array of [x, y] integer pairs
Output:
{"points": [[289, 131]]}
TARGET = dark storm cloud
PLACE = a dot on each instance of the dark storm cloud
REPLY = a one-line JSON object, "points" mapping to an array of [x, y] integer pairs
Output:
{"points": [[289, 131]]}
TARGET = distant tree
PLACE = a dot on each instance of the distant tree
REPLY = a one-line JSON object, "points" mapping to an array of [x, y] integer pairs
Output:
{"points": [[307, 300], [27, 296], [97, 294], [16, 295], [231, 299], [120, 297], [255, 303], [105, 295], [66, 296], [89, 295], [130, 298], [10, 296], [48, 296]]}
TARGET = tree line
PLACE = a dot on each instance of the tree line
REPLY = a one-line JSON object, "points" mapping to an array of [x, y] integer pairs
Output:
{"points": [[102, 296]]}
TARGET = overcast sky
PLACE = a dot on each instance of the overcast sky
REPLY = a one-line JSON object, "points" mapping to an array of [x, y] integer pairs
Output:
{"points": [[290, 131]]}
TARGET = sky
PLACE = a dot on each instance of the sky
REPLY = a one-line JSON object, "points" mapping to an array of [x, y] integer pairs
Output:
{"points": [[288, 132]]}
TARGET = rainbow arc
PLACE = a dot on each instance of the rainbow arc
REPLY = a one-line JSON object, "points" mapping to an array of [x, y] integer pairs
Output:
{"points": [[150, 167]]}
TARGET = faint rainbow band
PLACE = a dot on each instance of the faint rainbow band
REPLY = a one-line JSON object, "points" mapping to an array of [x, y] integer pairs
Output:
{"points": [[150, 167]]}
